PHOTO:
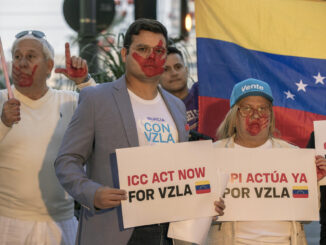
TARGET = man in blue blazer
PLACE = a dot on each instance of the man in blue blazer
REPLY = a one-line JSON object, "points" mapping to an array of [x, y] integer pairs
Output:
{"points": [[128, 112]]}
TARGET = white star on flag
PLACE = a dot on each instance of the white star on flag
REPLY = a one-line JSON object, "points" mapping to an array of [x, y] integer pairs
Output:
{"points": [[319, 79], [289, 95], [301, 86]]}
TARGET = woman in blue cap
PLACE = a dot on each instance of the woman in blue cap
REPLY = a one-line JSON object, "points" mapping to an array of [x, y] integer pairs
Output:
{"points": [[250, 124]]}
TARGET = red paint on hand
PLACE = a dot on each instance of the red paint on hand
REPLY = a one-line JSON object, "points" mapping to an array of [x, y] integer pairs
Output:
{"points": [[70, 70], [152, 65]]}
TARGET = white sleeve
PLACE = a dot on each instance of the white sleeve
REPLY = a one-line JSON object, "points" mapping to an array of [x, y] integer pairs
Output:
{"points": [[90, 82]]}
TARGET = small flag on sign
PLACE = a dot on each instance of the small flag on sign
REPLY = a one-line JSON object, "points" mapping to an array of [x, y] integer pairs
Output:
{"points": [[300, 192], [203, 187]]}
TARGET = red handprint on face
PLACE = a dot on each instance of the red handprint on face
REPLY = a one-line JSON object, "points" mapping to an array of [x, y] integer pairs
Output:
{"points": [[74, 68], [152, 65], [255, 126], [23, 79]]}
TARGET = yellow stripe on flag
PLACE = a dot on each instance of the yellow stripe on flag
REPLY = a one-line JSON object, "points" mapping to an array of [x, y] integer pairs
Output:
{"points": [[286, 27], [300, 187], [204, 182]]}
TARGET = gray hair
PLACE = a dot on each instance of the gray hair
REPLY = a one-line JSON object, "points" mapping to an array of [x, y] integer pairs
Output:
{"points": [[48, 50]]}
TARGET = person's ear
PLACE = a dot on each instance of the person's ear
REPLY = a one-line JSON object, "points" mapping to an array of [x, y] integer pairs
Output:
{"points": [[50, 65], [124, 53]]}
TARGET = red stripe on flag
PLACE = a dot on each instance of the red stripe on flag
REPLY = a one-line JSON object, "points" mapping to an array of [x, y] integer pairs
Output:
{"points": [[300, 195], [294, 126], [203, 191], [211, 113]]}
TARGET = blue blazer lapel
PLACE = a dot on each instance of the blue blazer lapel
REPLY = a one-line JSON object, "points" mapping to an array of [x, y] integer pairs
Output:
{"points": [[177, 117], [122, 99]]}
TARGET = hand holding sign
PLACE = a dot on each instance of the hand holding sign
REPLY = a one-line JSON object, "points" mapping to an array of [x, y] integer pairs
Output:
{"points": [[321, 167], [106, 197], [219, 206], [10, 112], [320, 146], [76, 67]]}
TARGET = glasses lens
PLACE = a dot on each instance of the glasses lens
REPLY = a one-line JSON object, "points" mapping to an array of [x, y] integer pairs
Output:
{"points": [[37, 34], [159, 50], [263, 111], [245, 111], [21, 34]]}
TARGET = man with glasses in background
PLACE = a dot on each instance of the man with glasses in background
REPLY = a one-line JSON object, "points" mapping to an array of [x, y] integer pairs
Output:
{"points": [[34, 208]]}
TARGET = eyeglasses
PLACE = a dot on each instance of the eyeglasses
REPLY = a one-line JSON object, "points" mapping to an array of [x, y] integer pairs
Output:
{"points": [[37, 34], [247, 110], [145, 50]]}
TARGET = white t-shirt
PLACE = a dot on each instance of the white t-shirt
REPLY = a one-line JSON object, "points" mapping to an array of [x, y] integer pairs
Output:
{"points": [[29, 188], [262, 232], [154, 122]]}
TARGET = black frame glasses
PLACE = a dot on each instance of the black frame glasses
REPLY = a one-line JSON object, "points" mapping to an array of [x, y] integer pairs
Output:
{"points": [[35, 33]]}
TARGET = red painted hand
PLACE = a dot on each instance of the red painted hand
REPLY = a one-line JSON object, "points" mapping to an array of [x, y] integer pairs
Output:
{"points": [[76, 67]]}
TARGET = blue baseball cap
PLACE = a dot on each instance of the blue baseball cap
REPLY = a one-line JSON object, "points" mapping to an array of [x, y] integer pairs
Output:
{"points": [[250, 87]]}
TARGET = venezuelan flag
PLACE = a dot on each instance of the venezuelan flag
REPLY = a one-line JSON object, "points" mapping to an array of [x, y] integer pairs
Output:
{"points": [[282, 42], [300, 192], [203, 187]]}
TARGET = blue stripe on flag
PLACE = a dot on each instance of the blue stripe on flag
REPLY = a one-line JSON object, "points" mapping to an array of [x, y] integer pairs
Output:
{"points": [[203, 187], [221, 64], [300, 191]]}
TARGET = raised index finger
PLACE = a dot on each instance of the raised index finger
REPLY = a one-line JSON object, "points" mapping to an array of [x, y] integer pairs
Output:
{"points": [[68, 57]]}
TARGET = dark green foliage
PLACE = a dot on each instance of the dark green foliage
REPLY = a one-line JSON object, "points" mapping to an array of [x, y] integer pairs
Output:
{"points": [[111, 66]]}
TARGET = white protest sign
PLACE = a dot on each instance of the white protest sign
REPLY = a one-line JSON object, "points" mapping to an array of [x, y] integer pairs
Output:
{"points": [[193, 230], [169, 182], [196, 230], [269, 184], [320, 142]]}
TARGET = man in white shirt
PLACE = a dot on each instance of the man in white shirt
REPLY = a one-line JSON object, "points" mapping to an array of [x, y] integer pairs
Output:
{"points": [[34, 208]]}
